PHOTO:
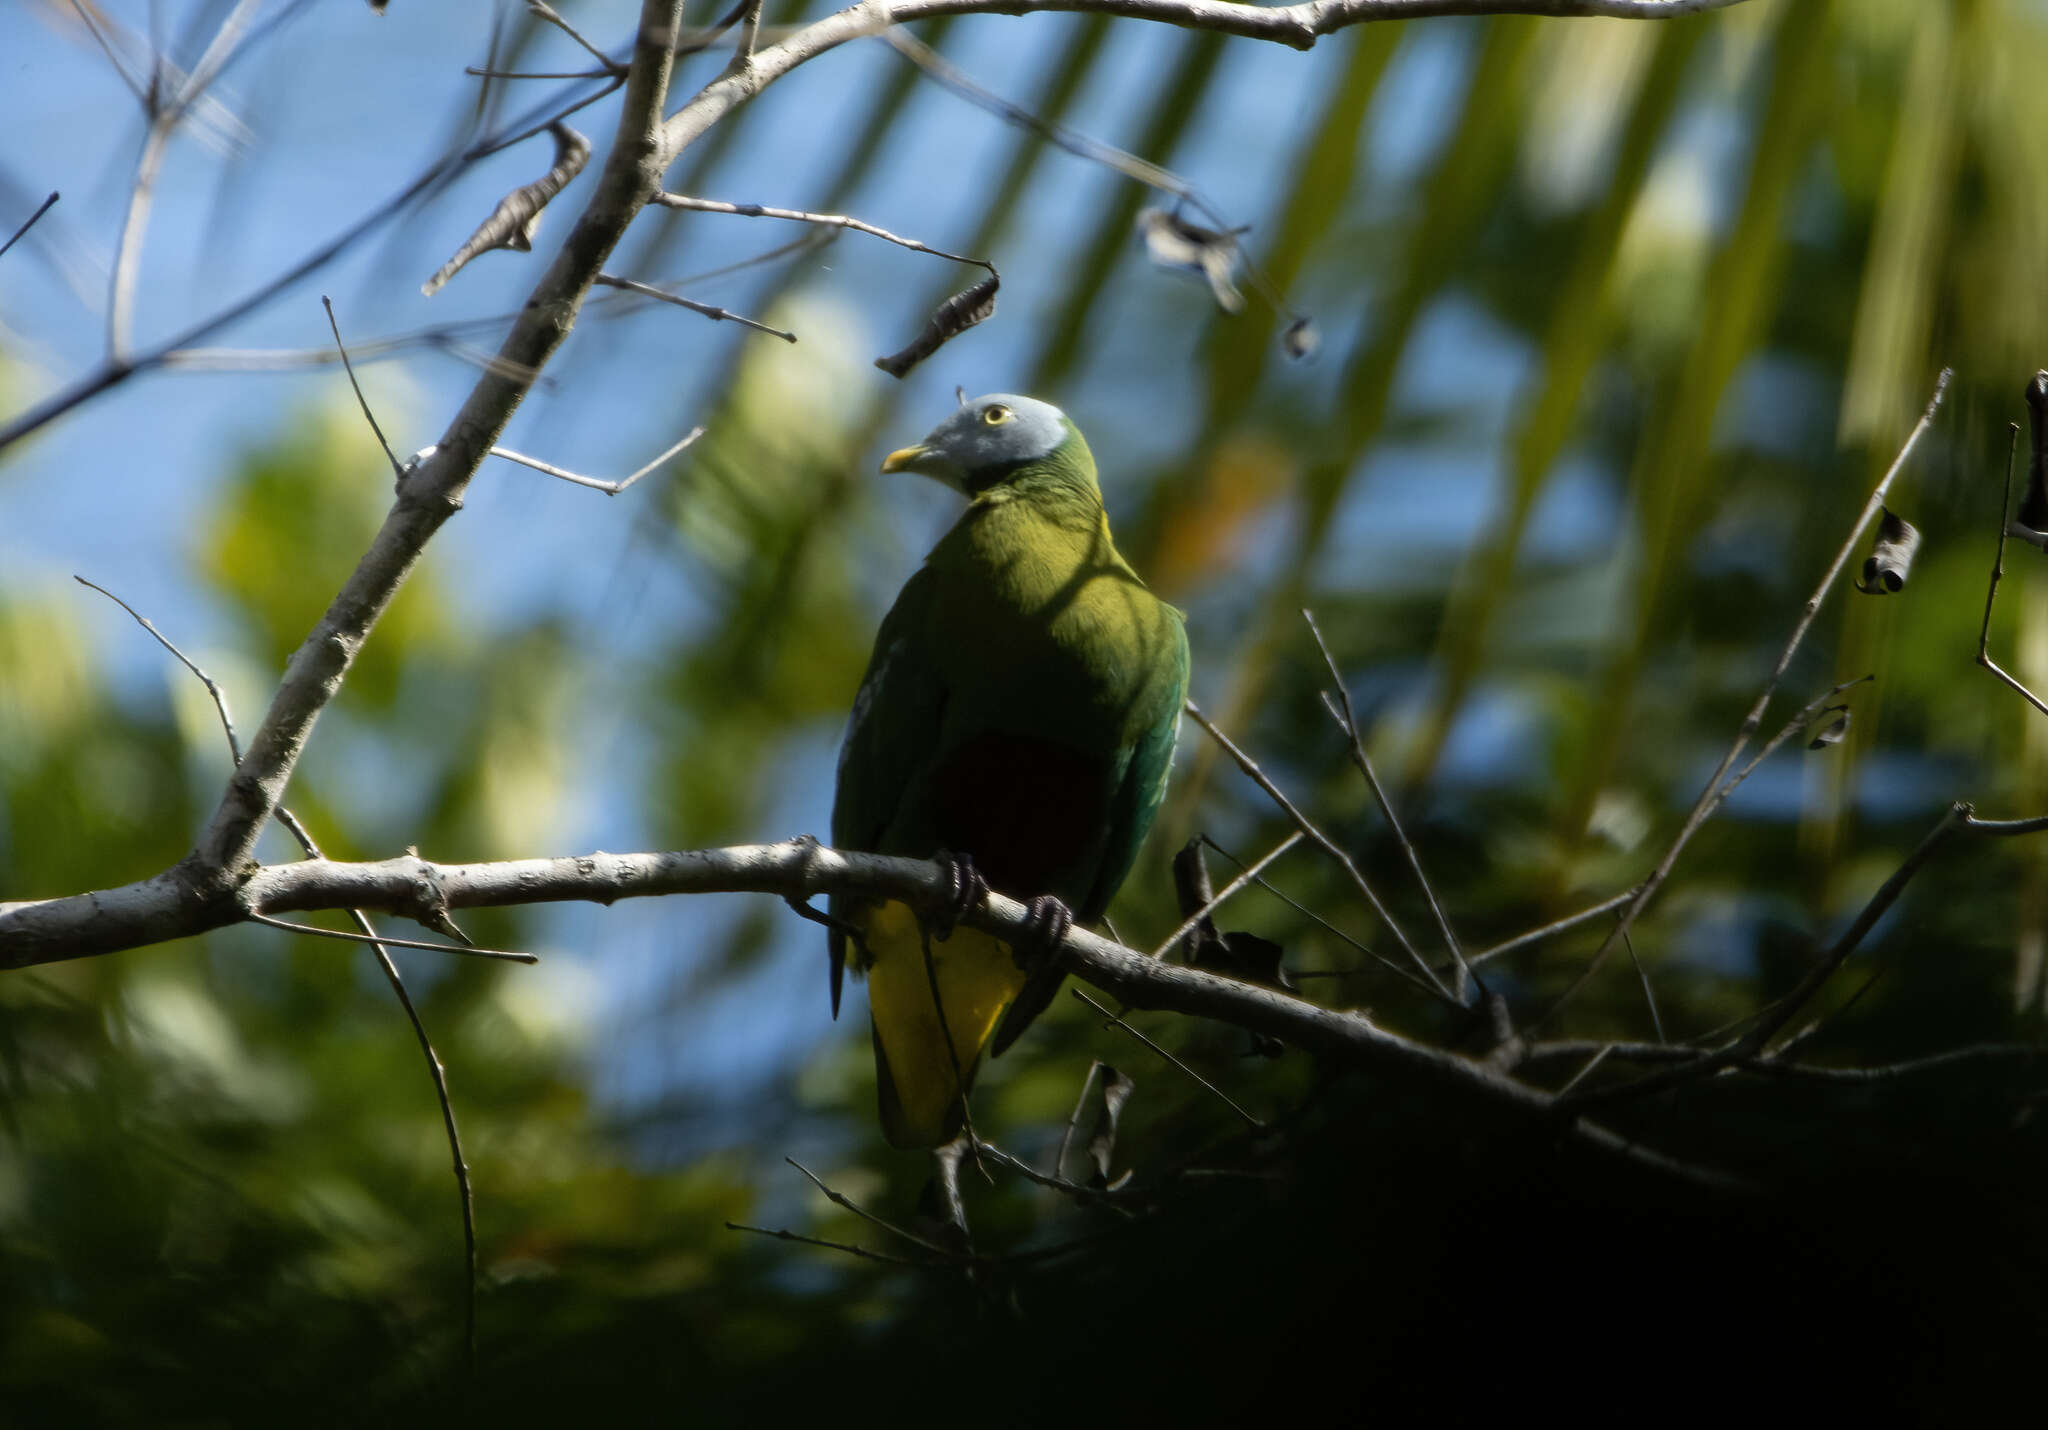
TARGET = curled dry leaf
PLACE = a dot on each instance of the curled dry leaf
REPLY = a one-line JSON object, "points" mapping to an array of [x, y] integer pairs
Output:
{"points": [[1116, 1091], [512, 224], [1891, 556], [955, 316], [1833, 731], [1172, 242], [1300, 338]]}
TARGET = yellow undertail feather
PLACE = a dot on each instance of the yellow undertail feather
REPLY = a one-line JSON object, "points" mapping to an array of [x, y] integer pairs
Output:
{"points": [[920, 1094]]}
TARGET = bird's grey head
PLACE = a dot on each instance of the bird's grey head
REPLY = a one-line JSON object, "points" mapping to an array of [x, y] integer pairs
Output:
{"points": [[985, 440]]}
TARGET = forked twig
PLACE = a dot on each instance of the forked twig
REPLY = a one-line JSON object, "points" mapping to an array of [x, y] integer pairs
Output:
{"points": [[840, 1199], [1347, 720], [436, 1070], [608, 488], [1249, 875], [1705, 805], [784, 1234], [1321, 840], [1117, 1022]]}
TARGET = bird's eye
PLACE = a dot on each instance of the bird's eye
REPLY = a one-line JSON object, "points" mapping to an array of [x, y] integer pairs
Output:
{"points": [[995, 414]]}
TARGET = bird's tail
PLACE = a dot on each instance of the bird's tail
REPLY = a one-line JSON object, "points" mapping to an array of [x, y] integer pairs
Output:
{"points": [[926, 1049]]}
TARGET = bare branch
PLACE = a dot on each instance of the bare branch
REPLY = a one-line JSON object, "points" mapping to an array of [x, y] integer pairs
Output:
{"points": [[464, 1194], [433, 490], [1321, 840], [1707, 802], [1750, 1044]]}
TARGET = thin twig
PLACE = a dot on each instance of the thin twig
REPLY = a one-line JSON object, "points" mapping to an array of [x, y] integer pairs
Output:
{"points": [[142, 193], [1555, 927], [1117, 1022], [716, 315], [441, 336], [397, 467], [1250, 875], [544, 11], [1586, 1070], [750, 31], [534, 74], [465, 950], [1649, 994], [1321, 840], [1706, 803], [484, 148], [1753, 1042], [781, 1234], [1347, 721], [1798, 722], [220, 703], [1997, 572], [840, 1200], [1059, 1165], [30, 223], [1083, 146], [1385, 964], [842, 221], [464, 1193], [1099, 1196], [608, 488]]}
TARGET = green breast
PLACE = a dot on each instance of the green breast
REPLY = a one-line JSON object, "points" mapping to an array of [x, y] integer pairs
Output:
{"points": [[1046, 631]]}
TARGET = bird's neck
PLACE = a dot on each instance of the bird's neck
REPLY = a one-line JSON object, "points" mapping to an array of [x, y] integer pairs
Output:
{"points": [[1030, 544]]}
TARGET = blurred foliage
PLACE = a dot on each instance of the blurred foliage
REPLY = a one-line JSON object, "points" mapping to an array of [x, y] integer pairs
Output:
{"points": [[1610, 360]]}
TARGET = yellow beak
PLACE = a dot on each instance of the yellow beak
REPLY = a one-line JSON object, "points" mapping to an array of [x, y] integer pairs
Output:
{"points": [[903, 459]]}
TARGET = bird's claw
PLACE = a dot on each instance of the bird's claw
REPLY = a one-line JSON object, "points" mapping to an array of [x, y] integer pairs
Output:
{"points": [[1047, 924], [966, 891]]}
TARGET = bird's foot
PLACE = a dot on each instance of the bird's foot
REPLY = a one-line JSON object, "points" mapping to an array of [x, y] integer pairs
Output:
{"points": [[1047, 924], [965, 892]]}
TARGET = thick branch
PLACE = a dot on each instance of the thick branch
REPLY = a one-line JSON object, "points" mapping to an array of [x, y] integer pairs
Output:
{"points": [[1299, 26], [161, 908]]}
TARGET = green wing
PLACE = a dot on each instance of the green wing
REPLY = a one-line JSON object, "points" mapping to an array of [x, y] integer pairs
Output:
{"points": [[1140, 786], [891, 734]]}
